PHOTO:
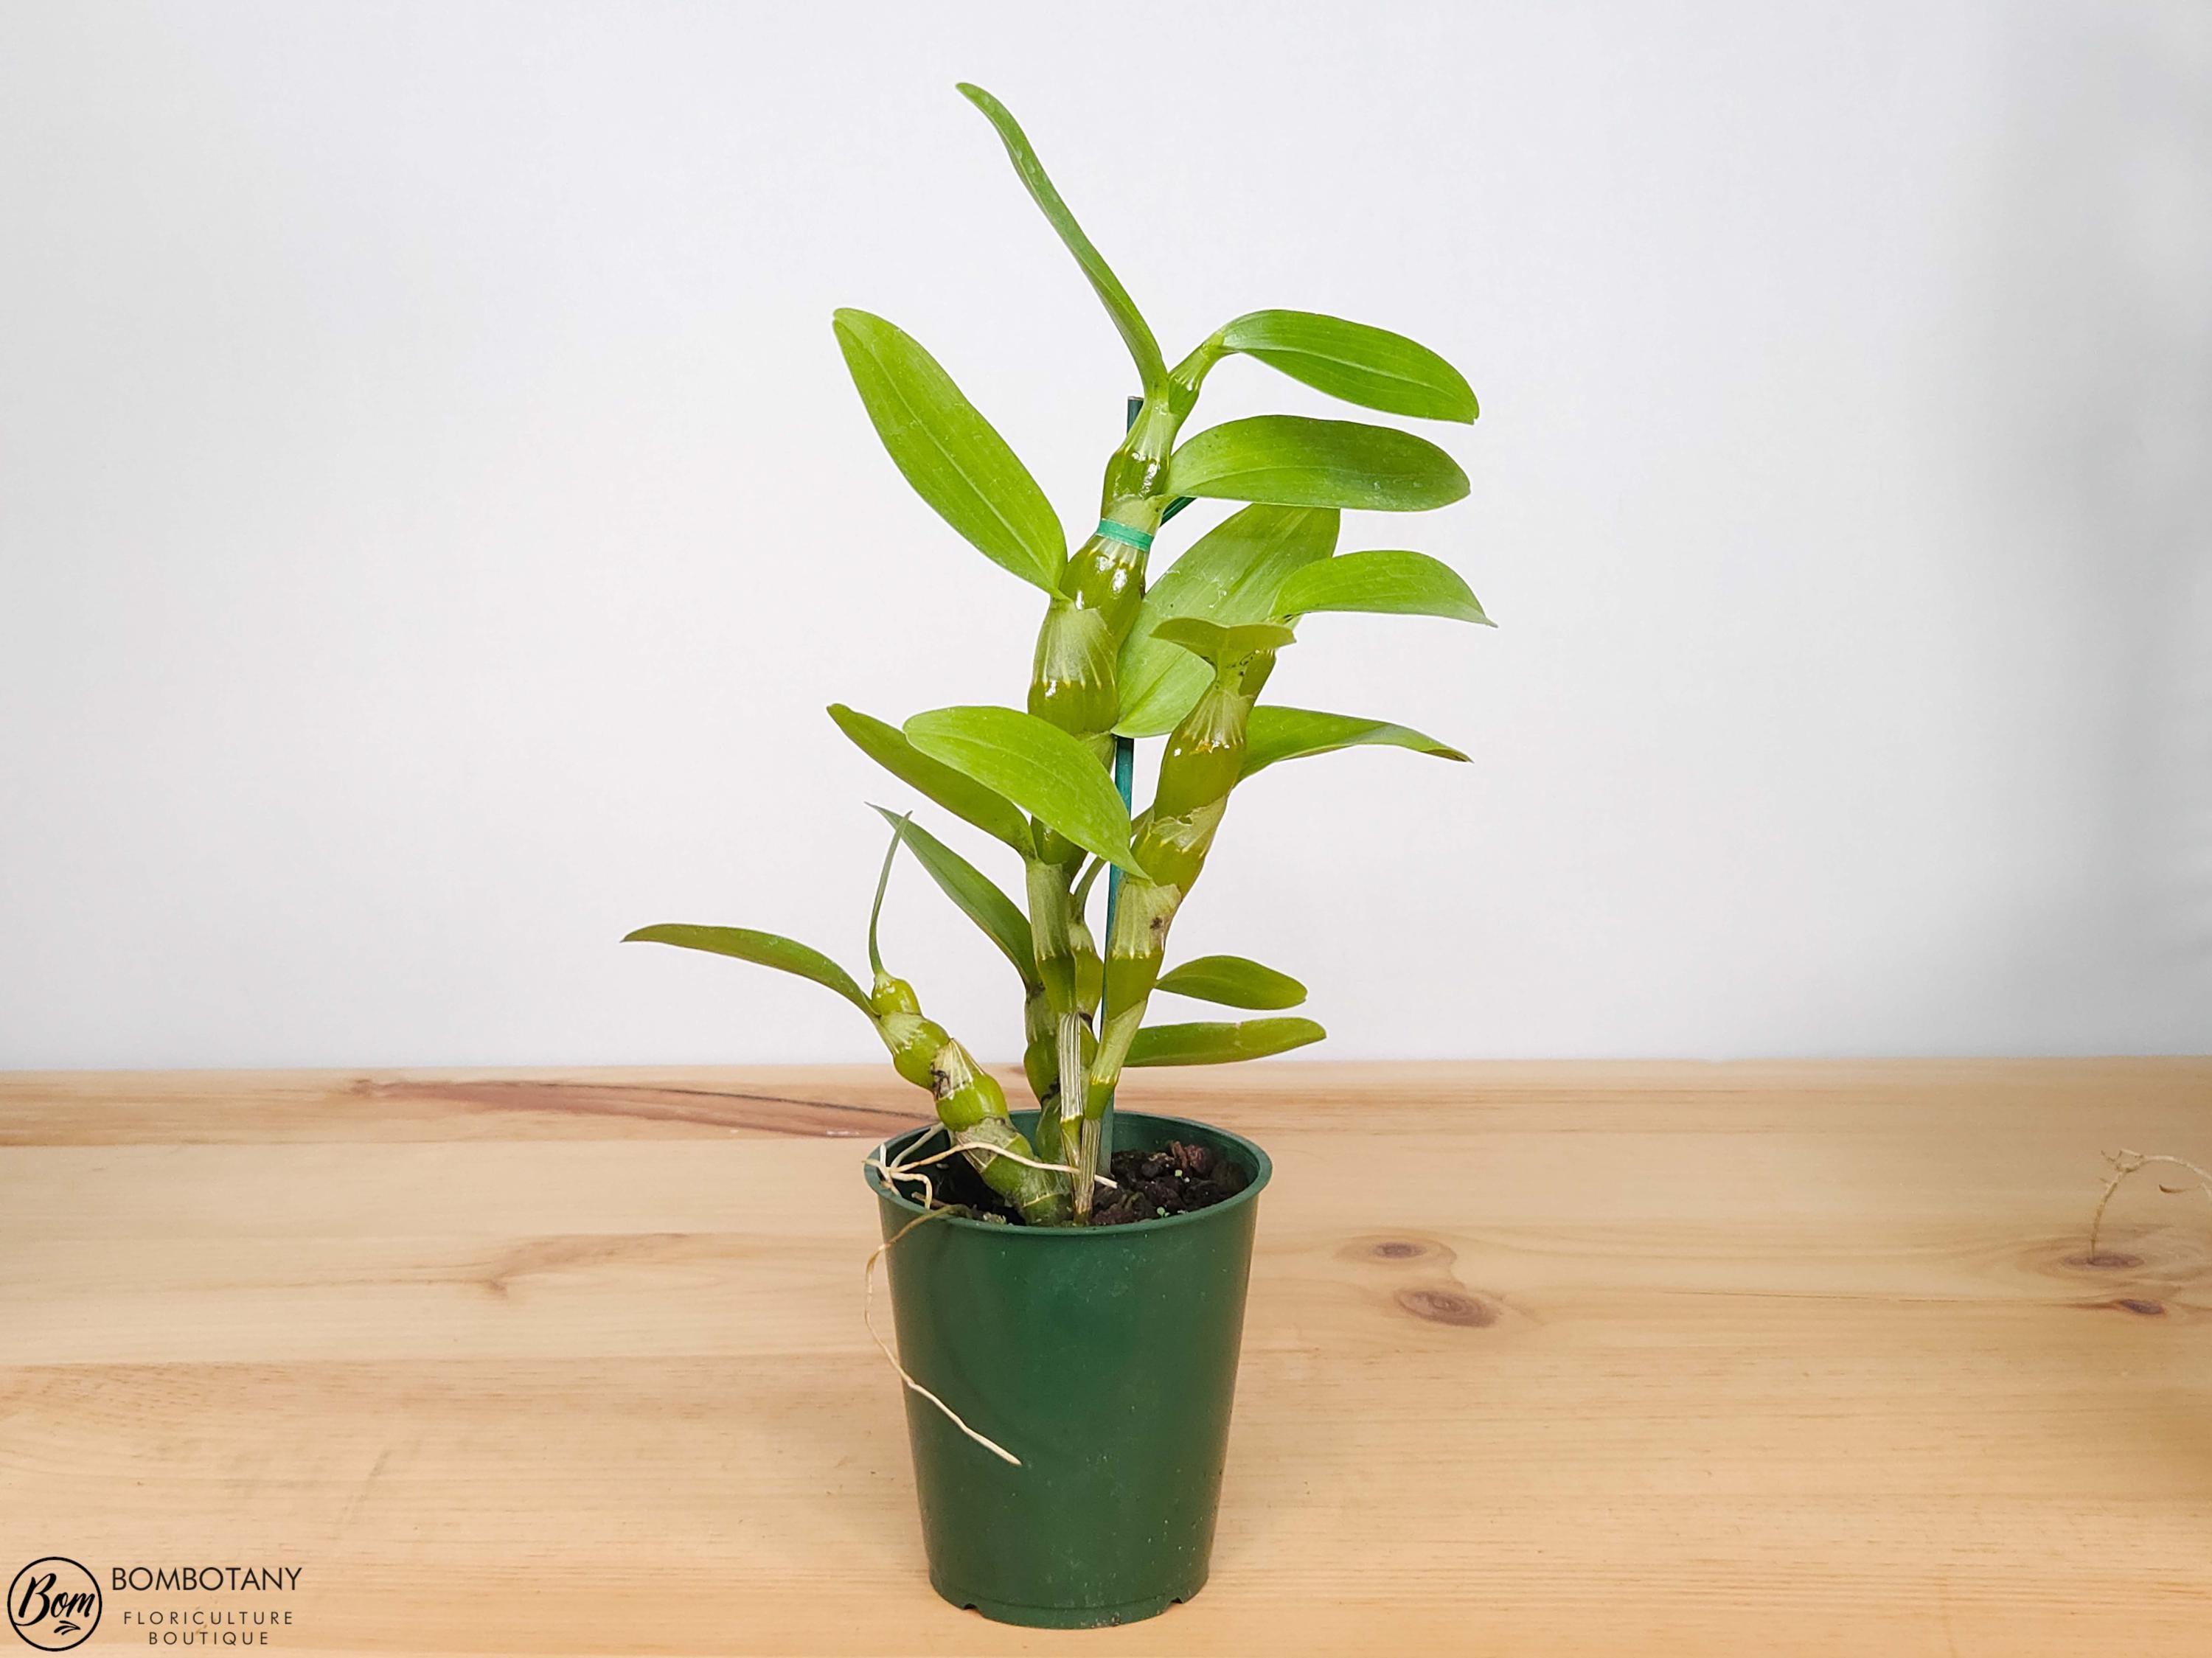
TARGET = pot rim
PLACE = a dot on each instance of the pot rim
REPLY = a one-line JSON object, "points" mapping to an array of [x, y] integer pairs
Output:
{"points": [[1263, 1168]]}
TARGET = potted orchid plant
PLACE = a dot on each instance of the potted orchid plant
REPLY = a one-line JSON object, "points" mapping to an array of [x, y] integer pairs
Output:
{"points": [[1069, 1326]]}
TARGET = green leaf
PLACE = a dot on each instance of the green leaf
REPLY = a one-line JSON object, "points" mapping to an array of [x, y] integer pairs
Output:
{"points": [[1038, 767], [1230, 576], [768, 949], [1234, 981], [1295, 462], [1388, 582], [1214, 643], [958, 793], [950, 455], [1082, 893], [1371, 366], [1220, 1044], [975, 896], [1277, 733], [876, 909], [1136, 332]]}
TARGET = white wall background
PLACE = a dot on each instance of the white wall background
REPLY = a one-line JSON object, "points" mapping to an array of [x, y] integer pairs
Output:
{"points": [[433, 513]]}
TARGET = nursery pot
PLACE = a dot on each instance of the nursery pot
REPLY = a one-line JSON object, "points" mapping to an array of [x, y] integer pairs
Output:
{"points": [[1103, 1357]]}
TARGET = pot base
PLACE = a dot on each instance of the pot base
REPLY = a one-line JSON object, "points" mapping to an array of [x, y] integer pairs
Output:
{"points": [[1012, 1611]]}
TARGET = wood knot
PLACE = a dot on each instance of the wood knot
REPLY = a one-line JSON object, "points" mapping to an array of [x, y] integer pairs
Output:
{"points": [[2104, 1260], [2140, 1306], [1394, 1250], [1455, 1306]]}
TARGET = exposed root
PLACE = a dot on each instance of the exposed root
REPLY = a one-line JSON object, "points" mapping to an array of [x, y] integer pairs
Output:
{"points": [[2125, 1163], [907, 1166]]}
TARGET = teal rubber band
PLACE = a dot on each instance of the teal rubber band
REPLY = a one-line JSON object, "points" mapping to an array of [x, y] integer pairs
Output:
{"points": [[1125, 535]]}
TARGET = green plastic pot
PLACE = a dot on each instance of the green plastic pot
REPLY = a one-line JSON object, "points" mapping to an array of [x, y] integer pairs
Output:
{"points": [[1104, 1358]]}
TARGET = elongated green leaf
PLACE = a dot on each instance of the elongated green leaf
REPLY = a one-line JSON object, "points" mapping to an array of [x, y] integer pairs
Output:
{"points": [[1220, 1044], [1217, 644], [1277, 733], [1089, 879], [876, 909], [957, 793], [1234, 981], [1390, 582], [974, 894], [1292, 461], [955, 459], [1229, 575], [1038, 767], [768, 949], [1136, 332], [1371, 366]]}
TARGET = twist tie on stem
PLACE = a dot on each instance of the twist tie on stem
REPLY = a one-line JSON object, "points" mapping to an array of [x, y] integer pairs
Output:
{"points": [[1127, 537]]}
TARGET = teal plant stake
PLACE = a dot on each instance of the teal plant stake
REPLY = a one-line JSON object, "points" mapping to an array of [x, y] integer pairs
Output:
{"points": [[1124, 780], [1119, 659]]}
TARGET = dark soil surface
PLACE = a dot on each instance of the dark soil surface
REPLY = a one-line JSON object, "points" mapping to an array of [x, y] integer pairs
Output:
{"points": [[1176, 1182], [1146, 1186]]}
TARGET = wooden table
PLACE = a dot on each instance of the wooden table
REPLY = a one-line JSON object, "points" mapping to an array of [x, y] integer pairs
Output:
{"points": [[1546, 1359]]}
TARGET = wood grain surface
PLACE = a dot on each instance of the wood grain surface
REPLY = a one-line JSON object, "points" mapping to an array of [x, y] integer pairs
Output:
{"points": [[1549, 1359]]}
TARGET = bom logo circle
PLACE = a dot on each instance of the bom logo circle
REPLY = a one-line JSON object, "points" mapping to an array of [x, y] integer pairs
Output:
{"points": [[53, 1604]]}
